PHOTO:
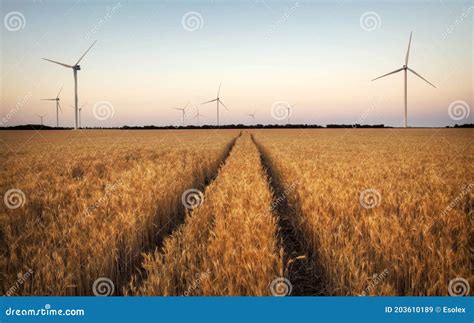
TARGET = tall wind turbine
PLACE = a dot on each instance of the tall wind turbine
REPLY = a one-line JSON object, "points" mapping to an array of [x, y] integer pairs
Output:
{"points": [[183, 109], [405, 69], [76, 67], [41, 116], [252, 115], [197, 115], [58, 106], [219, 101]]}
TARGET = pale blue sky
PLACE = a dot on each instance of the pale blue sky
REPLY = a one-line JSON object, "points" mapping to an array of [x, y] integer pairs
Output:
{"points": [[313, 54]]}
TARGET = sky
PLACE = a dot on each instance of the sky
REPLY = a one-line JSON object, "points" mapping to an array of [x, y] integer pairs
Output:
{"points": [[316, 57]]}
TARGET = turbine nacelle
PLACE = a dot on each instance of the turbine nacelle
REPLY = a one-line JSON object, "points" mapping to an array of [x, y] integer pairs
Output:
{"points": [[76, 67]]}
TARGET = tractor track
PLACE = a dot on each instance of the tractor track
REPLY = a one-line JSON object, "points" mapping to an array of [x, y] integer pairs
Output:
{"points": [[301, 270], [135, 269]]}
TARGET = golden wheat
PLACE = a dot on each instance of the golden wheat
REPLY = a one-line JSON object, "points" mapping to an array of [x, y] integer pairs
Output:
{"points": [[95, 201], [227, 246], [414, 237]]}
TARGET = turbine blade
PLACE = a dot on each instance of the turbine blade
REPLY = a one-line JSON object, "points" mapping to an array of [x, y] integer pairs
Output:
{"points": [[219, 91], [396, 71], [184, 108], [408, 50], [48, 99], [95, 41], [57, 96], [59, 106], [223, 105], [50, 60], [209, 101], [421, 77]]}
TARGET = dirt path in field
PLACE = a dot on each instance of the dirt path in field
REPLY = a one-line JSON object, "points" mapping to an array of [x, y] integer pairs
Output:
{"points": [[302, 269], [138, 271]]}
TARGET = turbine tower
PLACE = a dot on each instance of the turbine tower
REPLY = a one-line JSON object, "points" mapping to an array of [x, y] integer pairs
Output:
{"points": [[219, 101], [58, 106], [197, 115], [183, 109], [76, 67], [41, 116], [405, 69]]}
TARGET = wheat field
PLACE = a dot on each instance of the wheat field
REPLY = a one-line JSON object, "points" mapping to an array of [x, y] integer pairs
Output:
{"points": [[230, 212]]}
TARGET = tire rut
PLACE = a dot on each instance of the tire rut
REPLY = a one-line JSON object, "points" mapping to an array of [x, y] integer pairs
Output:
{"points": [[302, 269], [135, 268]]}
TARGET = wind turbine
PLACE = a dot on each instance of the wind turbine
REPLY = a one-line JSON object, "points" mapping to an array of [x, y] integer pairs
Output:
{"points": [[79, 110], [252, 115], [58, 106], [197, 115], [289, 112], [218, 100], [76, 67], [405, 69], [41, 118], [184, 110]]}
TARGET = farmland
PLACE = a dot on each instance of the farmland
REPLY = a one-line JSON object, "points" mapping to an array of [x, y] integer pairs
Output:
{"points": [[225, 212]]}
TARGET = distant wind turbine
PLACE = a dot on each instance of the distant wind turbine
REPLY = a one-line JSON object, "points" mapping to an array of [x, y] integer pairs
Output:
{"points": [[76, 67], [41, 116], [183, 109], [79, 112], [197, 115], [405, 69], [58, 106], [218, 100], [252, 115], [289, 112]]}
